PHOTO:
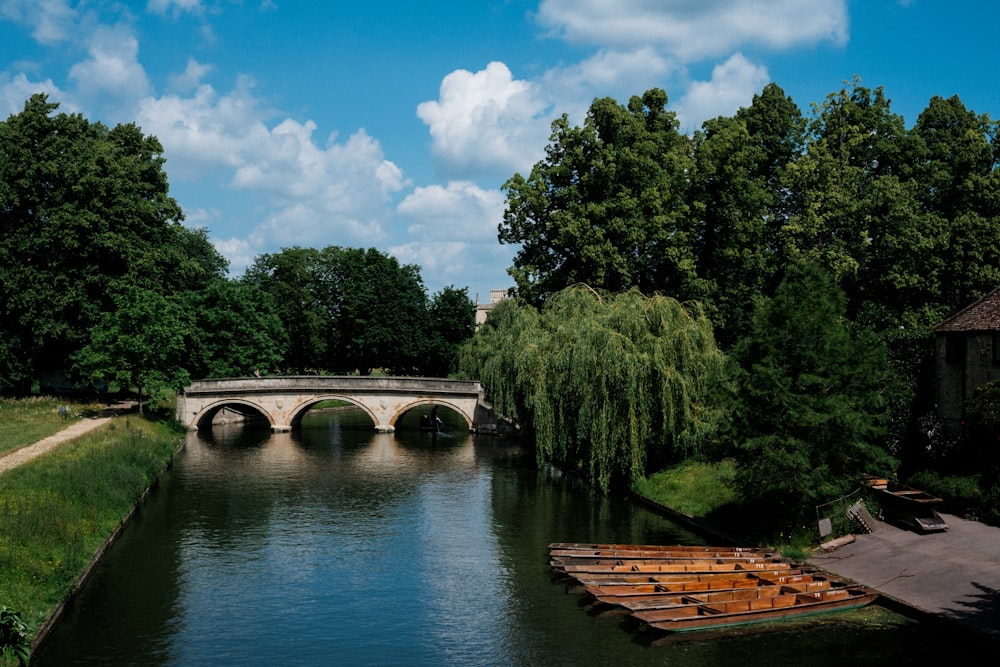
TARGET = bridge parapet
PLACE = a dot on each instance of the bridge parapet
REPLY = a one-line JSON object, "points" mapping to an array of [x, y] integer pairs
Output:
{"points": [[283, 399]]}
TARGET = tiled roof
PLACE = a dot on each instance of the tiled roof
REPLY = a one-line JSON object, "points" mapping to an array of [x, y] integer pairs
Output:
{"points": [[983, 315]]}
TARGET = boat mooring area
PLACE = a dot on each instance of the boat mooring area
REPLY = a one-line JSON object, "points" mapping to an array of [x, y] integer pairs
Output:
{"points": [[953, 575]]}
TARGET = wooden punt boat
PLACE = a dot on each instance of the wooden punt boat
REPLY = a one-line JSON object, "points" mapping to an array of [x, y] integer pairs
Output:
{"points": [[570, 555], [690, 566], [581, 546], [557, 560], [611, 592], [911, 507], [750, 593], [708, 615], [599, 579]]}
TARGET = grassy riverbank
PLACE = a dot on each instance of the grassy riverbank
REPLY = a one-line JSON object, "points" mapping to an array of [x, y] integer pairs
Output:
{"points": [[58, 510], [24, 421]]}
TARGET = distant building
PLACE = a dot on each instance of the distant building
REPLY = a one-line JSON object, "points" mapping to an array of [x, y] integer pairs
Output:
{"points": [[967, 355], [483, 309]]}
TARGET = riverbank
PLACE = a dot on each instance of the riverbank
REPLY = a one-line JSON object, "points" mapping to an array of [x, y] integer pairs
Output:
{"points": [[59, 512]]}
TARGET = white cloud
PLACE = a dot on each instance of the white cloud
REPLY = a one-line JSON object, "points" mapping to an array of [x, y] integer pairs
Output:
{"points": [[459, 210], [618, 74], [486, 122], [191, 77], [112, 69], [15, 91], [454, 232], [695, 30], [52, 21], [733, 85], [239, 252], [302, 192], [175, 7]]}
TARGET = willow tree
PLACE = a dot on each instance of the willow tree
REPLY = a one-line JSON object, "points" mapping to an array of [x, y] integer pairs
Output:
{"points": [[610, 385]]}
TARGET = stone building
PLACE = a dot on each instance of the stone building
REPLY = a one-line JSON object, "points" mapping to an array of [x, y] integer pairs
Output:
{"points": [[483, 309], [967, 350]]}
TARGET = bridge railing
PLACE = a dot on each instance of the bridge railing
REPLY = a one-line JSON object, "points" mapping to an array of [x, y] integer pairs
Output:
{"points": [[333, 383]]}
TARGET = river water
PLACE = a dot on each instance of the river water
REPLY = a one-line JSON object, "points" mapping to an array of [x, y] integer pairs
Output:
{"points": [[335, 545]]}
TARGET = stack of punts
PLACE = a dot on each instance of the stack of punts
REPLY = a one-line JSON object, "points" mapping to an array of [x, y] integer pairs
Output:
{"points": [[679, 589]]}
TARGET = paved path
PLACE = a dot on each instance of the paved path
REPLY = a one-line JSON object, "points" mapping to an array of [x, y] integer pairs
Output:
{"points": [[25, 454], [954, 574]]}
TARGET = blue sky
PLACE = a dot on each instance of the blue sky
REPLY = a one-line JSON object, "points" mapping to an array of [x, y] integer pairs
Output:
{"points": [[394, 124]]}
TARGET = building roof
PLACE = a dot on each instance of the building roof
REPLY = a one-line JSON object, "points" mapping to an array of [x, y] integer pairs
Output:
{"points": [[983, 315]]}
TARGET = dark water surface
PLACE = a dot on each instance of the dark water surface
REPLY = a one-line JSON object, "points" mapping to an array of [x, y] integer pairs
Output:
{"points": [[338, 546]]}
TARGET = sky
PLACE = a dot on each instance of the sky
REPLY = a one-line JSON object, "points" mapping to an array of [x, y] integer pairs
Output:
{"points": [[394, 124]]}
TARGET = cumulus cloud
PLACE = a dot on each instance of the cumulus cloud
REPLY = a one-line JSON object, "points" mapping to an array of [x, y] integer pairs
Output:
{"points": [[696, 30], [459, 209], [486, 121], [175, 7], [191, 77], [733, 85], [112, 69], [51, 21], [454, 232], [15, 90], [310, 192]]}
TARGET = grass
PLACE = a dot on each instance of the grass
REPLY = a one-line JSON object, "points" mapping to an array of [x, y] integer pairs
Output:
{"points": [[694, 488], [56, 511], [708, 492], [25, 421]]}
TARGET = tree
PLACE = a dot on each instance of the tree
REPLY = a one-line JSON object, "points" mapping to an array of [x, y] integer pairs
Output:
{"points": [[234, 331], [293, 280], [139, 344], [742, 204], [958, 186], [607, 205], [607, 384], [382, 312], [812, 403], [84, 214], [452, 322], [346, 309]]}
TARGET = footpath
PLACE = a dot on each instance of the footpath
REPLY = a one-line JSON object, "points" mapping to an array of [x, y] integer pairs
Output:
{"points": [[74, 430], [953, 575]]}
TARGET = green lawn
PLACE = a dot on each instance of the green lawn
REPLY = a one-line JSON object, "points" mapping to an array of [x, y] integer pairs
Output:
{"points": [[694, 488], [24, 421], [56, 511]]}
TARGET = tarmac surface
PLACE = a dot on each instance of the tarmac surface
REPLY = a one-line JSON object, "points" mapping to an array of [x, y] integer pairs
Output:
{"points": [[952, 575]]}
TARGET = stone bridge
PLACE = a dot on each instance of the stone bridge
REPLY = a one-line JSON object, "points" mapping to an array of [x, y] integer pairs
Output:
{"points": [[283, 400]]}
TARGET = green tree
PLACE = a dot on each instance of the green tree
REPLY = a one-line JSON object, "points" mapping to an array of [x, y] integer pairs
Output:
{"points": [[812, 405], [84, 214], [958, 186], [234, 331], [140, 344], [295, 282], [382, 312], [607, 205], [742, 204], [452, 322], [608, 384]]}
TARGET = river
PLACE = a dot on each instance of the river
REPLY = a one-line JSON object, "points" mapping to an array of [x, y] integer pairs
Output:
{"points": [[334, 545]]}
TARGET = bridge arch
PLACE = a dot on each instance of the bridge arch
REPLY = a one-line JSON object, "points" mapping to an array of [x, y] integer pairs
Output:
{"points": [[207, 415], [282, 400], [299, 411], [431, 403]]}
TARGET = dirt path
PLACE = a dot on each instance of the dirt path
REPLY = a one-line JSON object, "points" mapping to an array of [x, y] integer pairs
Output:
{"points": [[25, 454]]}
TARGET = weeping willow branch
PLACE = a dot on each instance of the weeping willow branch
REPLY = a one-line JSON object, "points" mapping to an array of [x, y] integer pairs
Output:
{"points": [[605, 383]]}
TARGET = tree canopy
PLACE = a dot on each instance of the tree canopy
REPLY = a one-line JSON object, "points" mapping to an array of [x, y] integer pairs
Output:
{"points": [[605, 383], [904, 219], [814, 396], [84, 215]]}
